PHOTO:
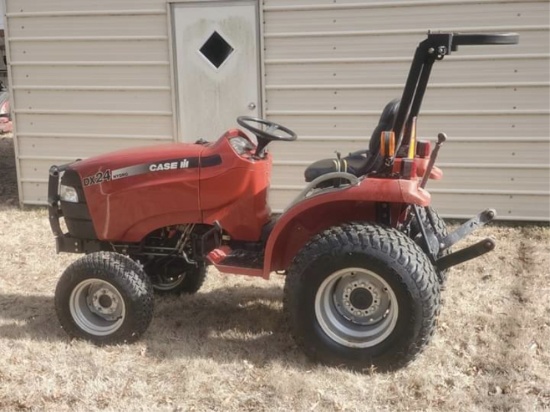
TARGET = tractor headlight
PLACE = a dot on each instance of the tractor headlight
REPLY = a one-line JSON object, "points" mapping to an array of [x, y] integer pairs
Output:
{"points": [[68, 194], [241, 145]]}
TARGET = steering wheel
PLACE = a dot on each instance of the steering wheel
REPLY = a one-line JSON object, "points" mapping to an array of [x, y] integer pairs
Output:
{"points": [[268, 135]]}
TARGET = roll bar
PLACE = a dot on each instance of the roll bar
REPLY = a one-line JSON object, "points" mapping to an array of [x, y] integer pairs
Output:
{"points": [[435, 47], [479, 39]]}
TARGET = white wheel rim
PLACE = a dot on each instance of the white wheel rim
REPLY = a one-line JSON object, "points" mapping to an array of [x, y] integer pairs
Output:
{"points": [[97, 307], [356, 308]]}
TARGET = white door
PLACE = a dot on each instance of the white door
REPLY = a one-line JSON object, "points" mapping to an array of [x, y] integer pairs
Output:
{"points": [[217, 66]]}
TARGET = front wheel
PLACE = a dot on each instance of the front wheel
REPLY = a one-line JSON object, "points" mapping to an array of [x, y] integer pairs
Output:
{"points": [[362, 296], [104, 298]]}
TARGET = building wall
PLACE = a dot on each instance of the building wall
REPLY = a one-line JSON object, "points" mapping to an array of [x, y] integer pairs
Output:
{"points": [[331, 67], [87, 77], [93, 76]]}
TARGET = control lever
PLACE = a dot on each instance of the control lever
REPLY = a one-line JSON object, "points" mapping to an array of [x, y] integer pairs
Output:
{"points": [[441, 138]]}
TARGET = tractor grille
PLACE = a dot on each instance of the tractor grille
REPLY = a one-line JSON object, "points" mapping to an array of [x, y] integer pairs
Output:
{"points": [[77, 216]]}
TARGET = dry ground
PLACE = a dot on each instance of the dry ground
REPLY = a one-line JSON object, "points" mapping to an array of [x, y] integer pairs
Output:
{"points": [[227, 348]]}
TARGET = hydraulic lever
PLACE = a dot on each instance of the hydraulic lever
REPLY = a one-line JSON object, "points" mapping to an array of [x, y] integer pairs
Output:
{"points": [[441, 138]]}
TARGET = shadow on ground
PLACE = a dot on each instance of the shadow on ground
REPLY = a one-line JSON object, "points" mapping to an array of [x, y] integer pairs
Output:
{"points": [[28, 317], [234, 323], [226, 324]]}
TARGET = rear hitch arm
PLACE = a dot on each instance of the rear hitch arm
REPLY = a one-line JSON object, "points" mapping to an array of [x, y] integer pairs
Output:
{"points": [[435, 244], [466, 228], [462, 255], [470, 252]]}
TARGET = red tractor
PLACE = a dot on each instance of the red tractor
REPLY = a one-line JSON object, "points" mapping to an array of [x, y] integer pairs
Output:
{"points": [[364, 254]]}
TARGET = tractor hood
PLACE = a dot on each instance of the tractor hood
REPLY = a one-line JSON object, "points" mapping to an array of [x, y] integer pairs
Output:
{"points": [[125, 195], [120, 188]]}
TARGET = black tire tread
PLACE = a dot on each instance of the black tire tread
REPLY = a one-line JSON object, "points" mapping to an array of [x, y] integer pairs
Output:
{"points": [[193, 281], [195, 277], [123, 273], [356, 237]]}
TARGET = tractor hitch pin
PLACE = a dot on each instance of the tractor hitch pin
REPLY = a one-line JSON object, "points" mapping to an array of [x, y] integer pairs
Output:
{"points": [[441, 138]]}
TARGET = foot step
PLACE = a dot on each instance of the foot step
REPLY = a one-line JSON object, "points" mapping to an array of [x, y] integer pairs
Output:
{"points": [[244, 258]]}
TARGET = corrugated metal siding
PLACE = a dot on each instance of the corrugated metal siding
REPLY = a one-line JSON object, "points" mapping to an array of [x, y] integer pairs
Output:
{"points": [[92, 76], [331, 66], [87, 77]]}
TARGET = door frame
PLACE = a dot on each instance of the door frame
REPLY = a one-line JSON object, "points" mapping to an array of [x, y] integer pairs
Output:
{"points": [[173, 66]]}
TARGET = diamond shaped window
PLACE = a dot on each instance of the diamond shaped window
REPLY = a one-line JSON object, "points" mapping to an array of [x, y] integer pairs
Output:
{"points": [[216, 49]]}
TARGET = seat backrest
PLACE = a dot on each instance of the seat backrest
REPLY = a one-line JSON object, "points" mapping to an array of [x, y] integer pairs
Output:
{"points": [[387, 119]]}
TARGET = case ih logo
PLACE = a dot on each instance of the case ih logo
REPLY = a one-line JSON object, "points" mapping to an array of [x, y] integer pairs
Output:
{"points": [[157, 167]]}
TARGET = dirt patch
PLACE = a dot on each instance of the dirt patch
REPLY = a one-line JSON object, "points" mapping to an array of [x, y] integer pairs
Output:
{"points": [[8, 174]]}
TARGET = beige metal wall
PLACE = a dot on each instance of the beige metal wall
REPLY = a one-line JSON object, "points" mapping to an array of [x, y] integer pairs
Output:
{"points": [[331, 67], [87, 77], [92, 76]]}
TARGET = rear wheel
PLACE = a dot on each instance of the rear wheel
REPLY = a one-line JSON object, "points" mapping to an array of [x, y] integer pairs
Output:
{"points": [[362, 296], [105, 298]]}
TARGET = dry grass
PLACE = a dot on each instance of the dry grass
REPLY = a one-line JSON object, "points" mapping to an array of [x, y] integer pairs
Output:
{"points": [[227, 347]]}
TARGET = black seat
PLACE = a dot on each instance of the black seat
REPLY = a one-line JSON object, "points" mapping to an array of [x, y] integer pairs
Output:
{"points": [[361, 162]]}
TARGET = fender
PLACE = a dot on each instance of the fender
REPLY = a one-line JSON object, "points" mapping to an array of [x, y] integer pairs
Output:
{"points": [[314, 214]]}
